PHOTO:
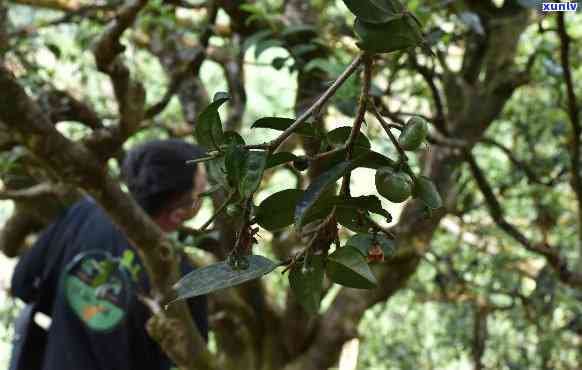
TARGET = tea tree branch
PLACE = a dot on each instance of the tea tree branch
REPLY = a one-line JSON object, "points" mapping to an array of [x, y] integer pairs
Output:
{"points": [[273, 145], [386, 126], [368, 61]]}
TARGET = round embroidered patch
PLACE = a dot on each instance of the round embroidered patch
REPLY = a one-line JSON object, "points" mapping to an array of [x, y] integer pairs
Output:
{"points": [[96, 290]]}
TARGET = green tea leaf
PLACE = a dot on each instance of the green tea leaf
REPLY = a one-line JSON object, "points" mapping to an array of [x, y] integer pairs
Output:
{"points": [[368, 203], [216, 170], [306, 281], [369, 11], [220, 275], [208, 129], [340, 135], [317, 189], [347, 267], [362, 158], [233, 138], [235, 160], [402, 32], [281, 124], [363, 243], [276, 211], [425, 190], [371, 159], [392, 6], [253, 172], [280, 158], [353, 219]]}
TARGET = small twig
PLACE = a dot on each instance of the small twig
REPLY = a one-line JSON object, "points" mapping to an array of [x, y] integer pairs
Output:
{"points": [[429, 77], [159, 107], [204, 159], [218, 211], [382, 229], [273, 145], [244, 224], [529, 172], [329, 153], [322, 225], [330, 92], [40, 190], [552, 255], [297, 257], [437, 138], [358, 121], [386, 127], [395, 126]]}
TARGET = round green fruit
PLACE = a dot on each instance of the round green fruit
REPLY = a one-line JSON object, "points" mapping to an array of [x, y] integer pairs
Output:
{"points": [[301, 163], [414, 133], [426, 190], [233, 210], [394, 186]]}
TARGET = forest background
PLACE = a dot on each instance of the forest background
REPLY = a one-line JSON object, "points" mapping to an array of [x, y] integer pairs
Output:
{"points": [[490, 280]]}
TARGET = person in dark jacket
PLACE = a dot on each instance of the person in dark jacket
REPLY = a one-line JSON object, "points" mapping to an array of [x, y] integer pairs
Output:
{"points": [[85, 275]]}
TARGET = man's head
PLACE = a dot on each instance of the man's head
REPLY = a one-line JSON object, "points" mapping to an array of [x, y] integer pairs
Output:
{"points": [[165, 186]]}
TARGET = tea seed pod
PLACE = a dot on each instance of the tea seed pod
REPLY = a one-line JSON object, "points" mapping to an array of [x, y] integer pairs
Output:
{"points": [[394, 186], [413, 134]]}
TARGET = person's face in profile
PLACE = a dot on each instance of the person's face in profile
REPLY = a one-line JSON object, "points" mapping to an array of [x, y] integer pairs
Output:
{"points": [[187, 206], [199, 188]]}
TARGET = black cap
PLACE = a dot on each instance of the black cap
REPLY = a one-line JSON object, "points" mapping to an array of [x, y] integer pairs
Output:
{"points": [[156, 172]]}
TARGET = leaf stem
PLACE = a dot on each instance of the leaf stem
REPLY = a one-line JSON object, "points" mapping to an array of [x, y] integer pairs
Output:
{"points": [[363, 103], [386, 126], [243, 228], [381, 229], [323, 155], [368, 62], [218, 211], [322, 225], [212, 156]]}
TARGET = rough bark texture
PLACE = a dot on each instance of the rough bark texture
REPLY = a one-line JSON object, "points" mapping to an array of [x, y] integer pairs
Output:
{"points": [[479, 336], [76, 165]]}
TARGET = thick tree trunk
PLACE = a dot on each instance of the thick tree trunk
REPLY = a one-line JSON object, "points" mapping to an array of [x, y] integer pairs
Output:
{"points": [[479, 336]]}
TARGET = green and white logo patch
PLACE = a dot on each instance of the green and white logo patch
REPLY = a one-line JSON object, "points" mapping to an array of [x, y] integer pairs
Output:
{"points": [[96, 290]]}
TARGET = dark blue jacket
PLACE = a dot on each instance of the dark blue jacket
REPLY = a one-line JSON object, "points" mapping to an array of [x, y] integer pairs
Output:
{"points": [[98, 321]]}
